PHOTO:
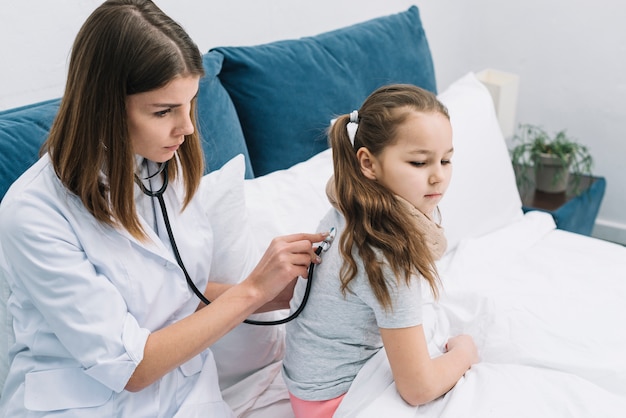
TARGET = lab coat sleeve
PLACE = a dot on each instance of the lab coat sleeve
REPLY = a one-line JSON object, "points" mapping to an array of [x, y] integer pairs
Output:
{"points": [[84, 318]]}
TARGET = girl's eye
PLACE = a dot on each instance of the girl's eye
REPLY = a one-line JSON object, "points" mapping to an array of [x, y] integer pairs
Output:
{"points": [[418, 163], [162, 113], [445, 162]]}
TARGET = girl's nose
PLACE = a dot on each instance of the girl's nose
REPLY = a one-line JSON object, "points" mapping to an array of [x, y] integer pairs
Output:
{"points": [[436, 176]]}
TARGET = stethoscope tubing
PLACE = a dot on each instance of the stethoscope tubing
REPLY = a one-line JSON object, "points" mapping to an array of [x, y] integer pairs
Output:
{"points": [[159, 195]]}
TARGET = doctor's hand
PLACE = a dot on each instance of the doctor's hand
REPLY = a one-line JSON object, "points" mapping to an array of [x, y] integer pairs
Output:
{"points": [[286, 259]]}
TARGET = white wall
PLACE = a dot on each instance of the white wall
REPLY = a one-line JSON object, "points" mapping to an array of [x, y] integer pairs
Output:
{"points": [[571, 58], [570, 55]]}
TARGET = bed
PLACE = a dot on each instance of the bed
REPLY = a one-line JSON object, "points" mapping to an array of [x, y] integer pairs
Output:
{"points": [[546, 307]]}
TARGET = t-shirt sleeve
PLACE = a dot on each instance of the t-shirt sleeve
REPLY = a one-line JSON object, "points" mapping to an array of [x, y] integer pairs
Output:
{"points": [[406, 300]]}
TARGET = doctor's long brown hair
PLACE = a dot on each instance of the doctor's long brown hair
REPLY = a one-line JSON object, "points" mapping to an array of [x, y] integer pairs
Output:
{"points": [[375, 219], [124, 47]]}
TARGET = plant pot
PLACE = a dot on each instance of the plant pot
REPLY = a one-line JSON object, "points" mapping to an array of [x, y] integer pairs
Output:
{"points": [[551, 175]]}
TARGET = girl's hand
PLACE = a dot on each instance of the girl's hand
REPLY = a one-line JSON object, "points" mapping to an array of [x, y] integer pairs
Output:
{"points": [[466, 344], [419, 377]]}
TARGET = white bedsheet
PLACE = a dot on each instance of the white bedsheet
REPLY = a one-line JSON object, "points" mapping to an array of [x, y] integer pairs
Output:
{"points": [[547, 309]]}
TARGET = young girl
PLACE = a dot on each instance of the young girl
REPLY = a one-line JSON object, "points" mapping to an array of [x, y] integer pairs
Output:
{"points": [[391, 168]]}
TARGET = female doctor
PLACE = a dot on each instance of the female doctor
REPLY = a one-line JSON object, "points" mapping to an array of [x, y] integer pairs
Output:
{"points": [[105, 322]]}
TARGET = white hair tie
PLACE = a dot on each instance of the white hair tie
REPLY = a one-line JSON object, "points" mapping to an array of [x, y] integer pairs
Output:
{"points": [[352, 126]]}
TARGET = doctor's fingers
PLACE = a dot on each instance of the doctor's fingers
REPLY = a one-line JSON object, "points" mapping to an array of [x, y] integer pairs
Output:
{"points": [[289, 265], [283, 263], [301, 243]]}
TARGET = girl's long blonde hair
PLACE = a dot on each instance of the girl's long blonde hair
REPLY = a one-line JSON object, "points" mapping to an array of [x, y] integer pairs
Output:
{"points": [[375, 219], [125, 47]]}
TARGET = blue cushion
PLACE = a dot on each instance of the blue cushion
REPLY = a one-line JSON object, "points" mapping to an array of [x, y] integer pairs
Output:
{"points": [[286, 92], [579, 213], [22, 131], [218, 123]]}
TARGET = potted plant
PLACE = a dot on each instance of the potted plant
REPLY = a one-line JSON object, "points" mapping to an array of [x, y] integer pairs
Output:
{"points": [[551, 159]]}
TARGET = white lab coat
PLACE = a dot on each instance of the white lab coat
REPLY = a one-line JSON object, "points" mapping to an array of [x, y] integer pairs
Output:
{"points": [[84, 299]]}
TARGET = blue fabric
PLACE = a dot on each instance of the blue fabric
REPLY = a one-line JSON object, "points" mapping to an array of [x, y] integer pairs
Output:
{"points": [[579, 213], [286, 92], [22, 131], [218, 124]]}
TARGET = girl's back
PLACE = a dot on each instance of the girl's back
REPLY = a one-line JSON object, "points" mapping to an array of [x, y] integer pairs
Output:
{"points": [[335, 335]]}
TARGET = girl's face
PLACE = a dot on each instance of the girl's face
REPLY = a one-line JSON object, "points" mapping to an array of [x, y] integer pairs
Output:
{"points": [[158, 120], [417, 167]]}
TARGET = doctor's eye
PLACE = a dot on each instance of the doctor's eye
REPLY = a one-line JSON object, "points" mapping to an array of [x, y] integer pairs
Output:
{"points": [[162, 113]]}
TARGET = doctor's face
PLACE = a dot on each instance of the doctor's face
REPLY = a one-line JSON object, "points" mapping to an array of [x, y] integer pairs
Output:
{"points": [[158, 120]]}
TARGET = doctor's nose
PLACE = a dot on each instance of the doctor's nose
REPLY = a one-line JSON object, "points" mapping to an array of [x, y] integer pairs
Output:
{"points": [[185, 126]]}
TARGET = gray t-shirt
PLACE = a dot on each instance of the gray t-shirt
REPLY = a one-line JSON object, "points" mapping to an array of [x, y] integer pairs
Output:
{"points": [[335, 335]]}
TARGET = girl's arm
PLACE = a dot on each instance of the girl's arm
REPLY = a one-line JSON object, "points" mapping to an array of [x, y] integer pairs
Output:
{"points": [[285, 259], [420, 378]]}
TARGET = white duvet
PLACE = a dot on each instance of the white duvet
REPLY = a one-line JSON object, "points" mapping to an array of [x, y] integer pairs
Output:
{"points": [[548, 311]]}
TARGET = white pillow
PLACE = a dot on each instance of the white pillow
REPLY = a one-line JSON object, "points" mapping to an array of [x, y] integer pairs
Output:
{"points": [[247, 348], [483, 195], [222, 197], [289, 201]]}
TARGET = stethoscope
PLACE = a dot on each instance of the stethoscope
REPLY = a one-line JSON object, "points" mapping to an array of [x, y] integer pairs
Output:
{"points": [[324, 246]]}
